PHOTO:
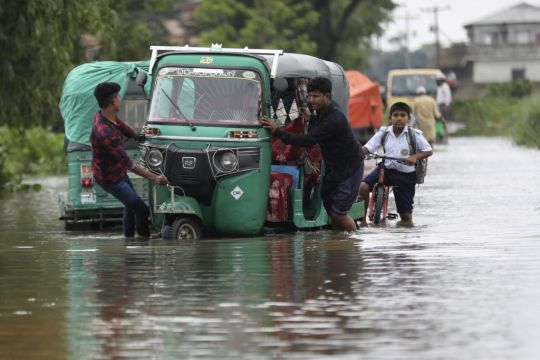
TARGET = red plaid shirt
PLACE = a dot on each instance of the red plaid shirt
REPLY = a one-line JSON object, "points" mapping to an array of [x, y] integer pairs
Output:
{"points": [[110, 161]]}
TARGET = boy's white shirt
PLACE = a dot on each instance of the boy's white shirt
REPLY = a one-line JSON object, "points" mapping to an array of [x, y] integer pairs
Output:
{"points": [[397, 147]]}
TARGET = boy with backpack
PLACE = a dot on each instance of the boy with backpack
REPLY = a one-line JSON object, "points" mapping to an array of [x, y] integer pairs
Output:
{"points": [[400, 141]]}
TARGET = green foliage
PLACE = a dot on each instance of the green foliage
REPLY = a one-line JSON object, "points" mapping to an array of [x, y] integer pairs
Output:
{"points": [[129, 42], [136, 25], [518, 118], [5, 175], [38, 42], [337, 30], [278, 24], [345, 28], [516, 89], [484, 116], [35, 151], [526, 127]]}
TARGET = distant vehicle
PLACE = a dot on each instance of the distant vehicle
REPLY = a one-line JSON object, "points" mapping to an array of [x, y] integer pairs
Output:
{"points": [[366, 112], [402, 84], [85, 201]]}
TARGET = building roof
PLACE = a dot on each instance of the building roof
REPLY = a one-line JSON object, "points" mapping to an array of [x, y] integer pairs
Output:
{"points": [[522, 13]]}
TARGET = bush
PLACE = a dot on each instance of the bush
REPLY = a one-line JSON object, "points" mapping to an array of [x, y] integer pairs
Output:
{"points": [[5, 176], [484, 116], [526, 127], [516, 89], [35, 151], [501, 116]]}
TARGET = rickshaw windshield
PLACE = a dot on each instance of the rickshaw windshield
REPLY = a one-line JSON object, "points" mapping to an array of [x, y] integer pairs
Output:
{"points": [[206, 96], [406, 85]]}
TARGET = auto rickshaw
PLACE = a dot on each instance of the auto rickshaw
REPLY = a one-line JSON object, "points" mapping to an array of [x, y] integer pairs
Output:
{"points": [[85, 201], [228, 176], [402, 84]]}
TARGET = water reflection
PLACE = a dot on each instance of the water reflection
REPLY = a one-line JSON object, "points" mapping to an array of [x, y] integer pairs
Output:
{"points": [[252, 295], [463, 281]]}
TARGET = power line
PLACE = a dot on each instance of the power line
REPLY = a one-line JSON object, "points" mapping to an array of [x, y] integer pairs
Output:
{"points": [[435, 10], [407, 17]]}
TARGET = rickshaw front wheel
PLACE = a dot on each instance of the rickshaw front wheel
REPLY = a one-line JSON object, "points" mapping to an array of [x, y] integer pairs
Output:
{"points": [[182, 229]]}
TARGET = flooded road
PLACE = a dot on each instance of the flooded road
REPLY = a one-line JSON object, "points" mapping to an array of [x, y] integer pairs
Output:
{"points": [[462, 284]]}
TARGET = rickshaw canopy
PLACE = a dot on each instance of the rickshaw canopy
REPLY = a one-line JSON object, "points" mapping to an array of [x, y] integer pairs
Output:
{"points": [[293, 65], [78, 104]]}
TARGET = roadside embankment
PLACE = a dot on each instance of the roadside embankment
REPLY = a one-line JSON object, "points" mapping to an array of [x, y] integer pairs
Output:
{"points": [[500, 115], [29, 152]]}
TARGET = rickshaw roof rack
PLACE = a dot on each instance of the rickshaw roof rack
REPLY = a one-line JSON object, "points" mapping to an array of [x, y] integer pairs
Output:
{"points": [[216, 48]]}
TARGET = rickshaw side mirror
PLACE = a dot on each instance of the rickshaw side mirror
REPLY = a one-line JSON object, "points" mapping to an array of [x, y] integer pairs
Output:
{"points": [[141, 78], [280, 84]]}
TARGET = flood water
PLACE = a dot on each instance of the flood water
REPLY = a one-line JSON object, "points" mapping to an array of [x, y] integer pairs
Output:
{"points": [[463, 283]]}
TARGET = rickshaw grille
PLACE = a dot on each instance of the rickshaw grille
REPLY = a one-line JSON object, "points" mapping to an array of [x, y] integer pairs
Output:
{"points": [[188, 179], [189, 171]]}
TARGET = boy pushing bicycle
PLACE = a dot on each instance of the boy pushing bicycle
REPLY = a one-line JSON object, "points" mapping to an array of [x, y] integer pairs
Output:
{"points": [[395, 141]]}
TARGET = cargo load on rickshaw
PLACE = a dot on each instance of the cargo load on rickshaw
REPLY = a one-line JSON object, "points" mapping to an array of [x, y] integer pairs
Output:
{"points": [[85, 201]]}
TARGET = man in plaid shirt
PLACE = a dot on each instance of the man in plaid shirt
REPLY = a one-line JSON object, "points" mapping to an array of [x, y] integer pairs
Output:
{"points": [[110, 162]]}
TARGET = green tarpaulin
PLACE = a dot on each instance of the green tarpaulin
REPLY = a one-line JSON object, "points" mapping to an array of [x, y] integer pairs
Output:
{"points": [[78, 104]]}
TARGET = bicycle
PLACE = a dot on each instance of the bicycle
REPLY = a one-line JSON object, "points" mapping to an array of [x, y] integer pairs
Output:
{"points": [[378, 202]]}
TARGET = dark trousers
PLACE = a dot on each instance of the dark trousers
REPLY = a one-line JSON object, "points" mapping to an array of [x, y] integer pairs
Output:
{"points": [[339, 198], [136, 212]]}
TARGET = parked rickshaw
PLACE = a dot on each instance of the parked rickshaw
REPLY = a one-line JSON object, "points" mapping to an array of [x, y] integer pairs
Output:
{"points": [[85, 201], [203, 132]]}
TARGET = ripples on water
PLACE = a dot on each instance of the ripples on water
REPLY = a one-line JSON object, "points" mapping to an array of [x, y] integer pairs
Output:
{"points": [[463, 283]]}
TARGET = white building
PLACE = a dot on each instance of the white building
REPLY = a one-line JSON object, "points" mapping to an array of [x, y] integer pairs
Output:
{"points": [[505, 46]]}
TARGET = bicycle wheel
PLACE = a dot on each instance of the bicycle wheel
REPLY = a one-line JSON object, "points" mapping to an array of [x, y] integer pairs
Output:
{"points": [[379, 200]]}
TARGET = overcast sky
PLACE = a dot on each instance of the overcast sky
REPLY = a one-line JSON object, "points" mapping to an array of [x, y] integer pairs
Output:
{"points": [[454, 14]]}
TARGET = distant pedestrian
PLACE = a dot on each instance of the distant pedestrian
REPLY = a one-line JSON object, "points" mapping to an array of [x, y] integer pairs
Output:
{"points": [[444, 96], [425, 111]]}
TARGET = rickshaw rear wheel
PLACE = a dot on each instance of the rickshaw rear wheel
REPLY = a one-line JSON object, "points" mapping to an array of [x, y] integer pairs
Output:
{"points": [[182, 229]]}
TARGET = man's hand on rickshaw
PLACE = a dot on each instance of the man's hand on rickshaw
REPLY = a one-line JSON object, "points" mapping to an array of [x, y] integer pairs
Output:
{"points": [[305, 111], [161, 180], [269, 124], [140, 137]]}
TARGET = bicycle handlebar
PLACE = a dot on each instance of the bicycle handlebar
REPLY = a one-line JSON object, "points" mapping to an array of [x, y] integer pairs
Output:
{"points": [[384, 157]]}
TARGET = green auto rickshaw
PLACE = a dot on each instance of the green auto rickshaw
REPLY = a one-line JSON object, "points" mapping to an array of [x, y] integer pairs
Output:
{"points": [[227, 174], [85, 201]]}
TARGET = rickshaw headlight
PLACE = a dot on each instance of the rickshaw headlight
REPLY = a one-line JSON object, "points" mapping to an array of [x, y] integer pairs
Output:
{"points": [[227, 161], [154, 158]]}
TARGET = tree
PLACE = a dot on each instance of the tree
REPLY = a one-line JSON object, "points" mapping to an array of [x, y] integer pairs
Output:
{"points": [[279, 24], [37, 51], [337, 30], [137, 25], [39, 41], [345, 28]]}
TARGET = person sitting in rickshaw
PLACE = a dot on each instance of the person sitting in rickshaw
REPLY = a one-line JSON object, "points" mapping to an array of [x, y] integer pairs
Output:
{"points": [[340, 150]]}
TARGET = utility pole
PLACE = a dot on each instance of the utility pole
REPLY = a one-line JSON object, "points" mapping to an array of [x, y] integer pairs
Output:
{"points": [[435, 10], [407, 18]]}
